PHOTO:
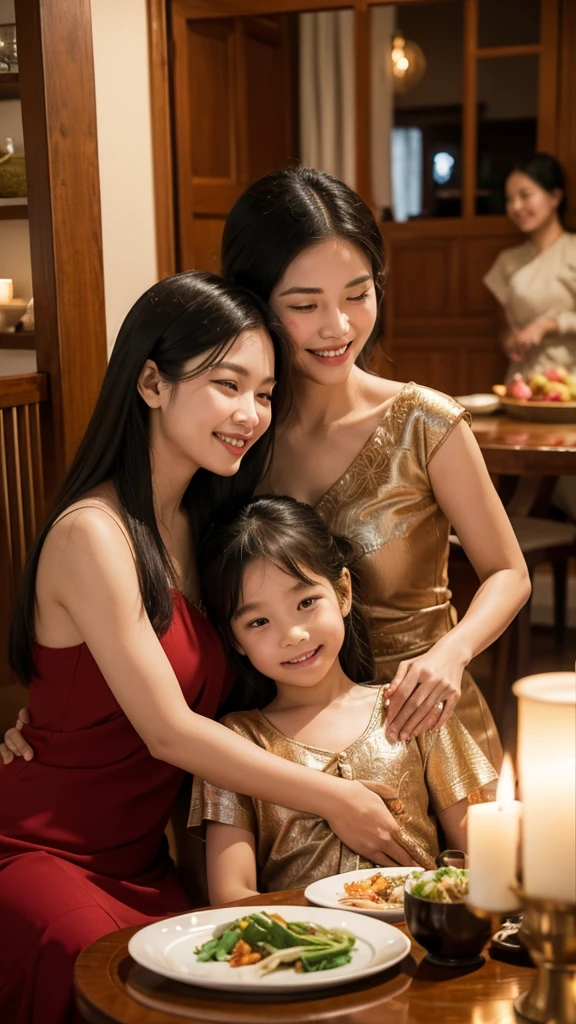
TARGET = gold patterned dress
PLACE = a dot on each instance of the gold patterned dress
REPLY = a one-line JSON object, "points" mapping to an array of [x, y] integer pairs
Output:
{"points": [[293, 848], [385, 504]]}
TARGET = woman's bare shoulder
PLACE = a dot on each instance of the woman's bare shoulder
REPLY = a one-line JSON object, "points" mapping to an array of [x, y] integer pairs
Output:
{"points": [[92, 521], [376, 392]]}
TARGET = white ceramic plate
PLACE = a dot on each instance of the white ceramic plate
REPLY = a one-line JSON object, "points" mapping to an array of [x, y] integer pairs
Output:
{"points": [[479, 405], [325, 892], [167, 947]]}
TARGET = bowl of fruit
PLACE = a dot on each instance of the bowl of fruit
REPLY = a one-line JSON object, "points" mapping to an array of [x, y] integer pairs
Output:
{"points": [[547, 397]]}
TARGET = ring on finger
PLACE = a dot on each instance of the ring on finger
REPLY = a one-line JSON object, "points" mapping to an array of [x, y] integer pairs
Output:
{"points": [[441, 705]]}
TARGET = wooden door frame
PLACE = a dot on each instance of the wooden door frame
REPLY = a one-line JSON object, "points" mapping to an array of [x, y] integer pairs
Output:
{"points": [[59, 119], [160, 97], [549, 136]]}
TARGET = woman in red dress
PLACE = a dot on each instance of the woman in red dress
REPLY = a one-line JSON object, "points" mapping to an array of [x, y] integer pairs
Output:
{"points": [[125, 672]]}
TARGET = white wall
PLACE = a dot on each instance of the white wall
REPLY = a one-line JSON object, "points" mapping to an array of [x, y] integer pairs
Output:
{"points": [[125, 154]]}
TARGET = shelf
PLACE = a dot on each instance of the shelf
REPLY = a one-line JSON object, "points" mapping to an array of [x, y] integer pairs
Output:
{"points": [[17, 340], [18, 211], [9, 86]]}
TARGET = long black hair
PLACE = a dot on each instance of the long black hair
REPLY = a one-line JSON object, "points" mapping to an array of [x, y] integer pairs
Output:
{"points": [[284, 213], [292, 536], [547, 173], [178, 319]]}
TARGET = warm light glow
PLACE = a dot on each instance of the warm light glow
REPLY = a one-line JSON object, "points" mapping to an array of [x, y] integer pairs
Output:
{"points": [[408, 63], [506, 783]]}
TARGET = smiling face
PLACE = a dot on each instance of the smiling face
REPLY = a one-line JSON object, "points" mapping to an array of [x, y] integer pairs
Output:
{"points": [[292, 632], [327, 302], [529, 206], [212, 420]]}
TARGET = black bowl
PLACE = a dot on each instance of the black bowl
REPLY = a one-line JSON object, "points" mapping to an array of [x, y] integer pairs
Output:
{"points": [[451, 933]]}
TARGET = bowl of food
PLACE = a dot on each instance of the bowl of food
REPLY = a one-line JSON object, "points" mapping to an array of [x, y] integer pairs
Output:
{"points": [[546, 397], [479, 405], [440, 921]]}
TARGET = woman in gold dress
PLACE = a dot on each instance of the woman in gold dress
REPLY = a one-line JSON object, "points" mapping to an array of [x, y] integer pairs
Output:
{"points": [[389, 465], [280, 592]]}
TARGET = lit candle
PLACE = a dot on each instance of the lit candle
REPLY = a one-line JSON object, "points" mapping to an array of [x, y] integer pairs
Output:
{"points": [[547, 771], [6, 290], [492, 831]]}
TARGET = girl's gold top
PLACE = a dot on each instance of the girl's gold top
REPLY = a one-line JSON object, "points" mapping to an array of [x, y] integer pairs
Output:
{"points": [[384, 502], [293, 848]]}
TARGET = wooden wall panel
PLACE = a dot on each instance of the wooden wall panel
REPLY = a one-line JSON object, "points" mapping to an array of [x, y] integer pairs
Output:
{"points": [[420, 277], [208, 241], [476, 257], [211, 58], [458, 365], [441, 323], [269, 95]]}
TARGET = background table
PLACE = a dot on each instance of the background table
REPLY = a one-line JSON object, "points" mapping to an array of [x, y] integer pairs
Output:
{"points": [[111, 987], [519, 448]]}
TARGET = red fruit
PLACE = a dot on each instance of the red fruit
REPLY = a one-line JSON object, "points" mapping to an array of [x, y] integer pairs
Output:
{"points": [[518, 388], [555, 375], [552, 396]]}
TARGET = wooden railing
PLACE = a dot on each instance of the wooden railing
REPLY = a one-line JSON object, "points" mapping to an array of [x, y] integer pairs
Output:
{"points": [[21, 486]]}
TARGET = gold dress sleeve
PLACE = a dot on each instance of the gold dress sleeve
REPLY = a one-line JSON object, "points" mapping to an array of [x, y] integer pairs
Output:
{"points": [[211, 803], [384, 503], [454, 765]]}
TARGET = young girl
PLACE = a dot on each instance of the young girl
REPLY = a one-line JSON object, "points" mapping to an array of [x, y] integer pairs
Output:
{"points": [[278, 584], [125, 672]]}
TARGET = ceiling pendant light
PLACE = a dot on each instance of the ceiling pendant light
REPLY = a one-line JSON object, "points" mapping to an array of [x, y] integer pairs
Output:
{"points": [[408, 63]]}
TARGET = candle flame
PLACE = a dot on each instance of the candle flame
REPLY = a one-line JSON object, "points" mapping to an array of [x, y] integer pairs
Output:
{"points": [[506, 783]]}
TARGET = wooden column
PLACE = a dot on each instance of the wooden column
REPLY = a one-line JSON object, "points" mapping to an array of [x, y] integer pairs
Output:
{"points": [[59, 118], [567, 105], [164, 185], [362, 77], [469, 109]]}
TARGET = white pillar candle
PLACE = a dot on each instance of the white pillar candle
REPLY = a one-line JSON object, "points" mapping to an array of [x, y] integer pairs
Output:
{"points": [[6, 289], [547, 772], [492, 834]]}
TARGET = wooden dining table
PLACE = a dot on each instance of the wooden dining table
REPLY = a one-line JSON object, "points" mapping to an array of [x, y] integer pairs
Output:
{"points": [[518, 447], [111, 987]]}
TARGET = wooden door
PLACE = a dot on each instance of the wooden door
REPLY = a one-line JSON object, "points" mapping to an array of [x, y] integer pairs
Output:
{"points": [[233, 86]]}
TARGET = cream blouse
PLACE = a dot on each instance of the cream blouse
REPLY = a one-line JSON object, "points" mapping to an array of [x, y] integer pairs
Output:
{"points": [[533, 285]]}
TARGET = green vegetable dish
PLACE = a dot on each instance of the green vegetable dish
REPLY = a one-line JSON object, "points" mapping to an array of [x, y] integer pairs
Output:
{"points": [[272, 942], [447, 885]]}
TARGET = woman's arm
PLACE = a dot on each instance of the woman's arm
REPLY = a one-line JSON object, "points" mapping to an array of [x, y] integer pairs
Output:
{"points": [[466, 495], [453, 822], [230, 863], [93, 576], [524, 339]]}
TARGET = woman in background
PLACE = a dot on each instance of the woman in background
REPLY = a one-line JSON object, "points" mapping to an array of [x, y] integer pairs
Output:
{"points": [[535, 282]]}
